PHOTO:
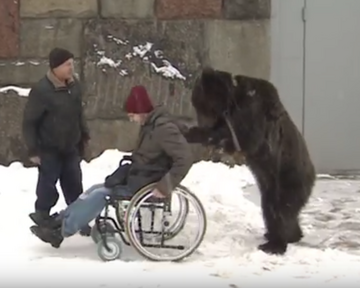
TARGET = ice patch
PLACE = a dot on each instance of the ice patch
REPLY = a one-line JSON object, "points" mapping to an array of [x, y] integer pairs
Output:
{"points": [[36, 63], [156, 59], [20, 91], [109, 62], [168, 71], [117, 40], [142, 50]]}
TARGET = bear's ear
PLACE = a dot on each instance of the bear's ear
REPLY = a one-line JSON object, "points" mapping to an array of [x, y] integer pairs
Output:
{"points": [[209, 78], [242, 82], [207, 70]]}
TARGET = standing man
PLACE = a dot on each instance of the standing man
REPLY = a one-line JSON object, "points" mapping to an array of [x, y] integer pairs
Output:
{"points": [[55, 133]]}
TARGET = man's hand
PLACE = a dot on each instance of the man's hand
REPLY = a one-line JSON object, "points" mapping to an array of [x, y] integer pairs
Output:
{"points": [[36, 160], [157, 194]]}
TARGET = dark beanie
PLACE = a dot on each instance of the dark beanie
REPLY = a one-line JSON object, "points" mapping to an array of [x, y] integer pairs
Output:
{"points": [[138, 102], [58, 56]]}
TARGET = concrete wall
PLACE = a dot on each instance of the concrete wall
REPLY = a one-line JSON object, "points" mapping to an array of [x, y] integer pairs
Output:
{"points": [[227, 34]]}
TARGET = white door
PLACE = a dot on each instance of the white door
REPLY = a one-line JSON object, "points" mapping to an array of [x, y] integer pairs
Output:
{"points": [[287, 55], [332, 84]]}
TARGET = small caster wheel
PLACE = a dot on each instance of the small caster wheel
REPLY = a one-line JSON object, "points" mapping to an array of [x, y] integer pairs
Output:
{"points": [[114, 252], [95, 233]]}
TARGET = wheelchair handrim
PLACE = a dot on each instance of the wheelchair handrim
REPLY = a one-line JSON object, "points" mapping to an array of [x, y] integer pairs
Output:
{"points": [[201, 217], [176, 225]]}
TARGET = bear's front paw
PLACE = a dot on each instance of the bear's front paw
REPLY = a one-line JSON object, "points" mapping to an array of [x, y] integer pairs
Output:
{"points": [[228, 146], [213, 141], [197, 135], [225, 145], [192, 135]]}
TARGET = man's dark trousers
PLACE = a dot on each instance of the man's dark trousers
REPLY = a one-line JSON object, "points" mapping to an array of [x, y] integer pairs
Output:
{"points": [[64, 167]]}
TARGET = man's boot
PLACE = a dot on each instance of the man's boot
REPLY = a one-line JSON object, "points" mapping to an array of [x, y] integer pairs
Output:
{"points": [[43, 219], [47, 235]]}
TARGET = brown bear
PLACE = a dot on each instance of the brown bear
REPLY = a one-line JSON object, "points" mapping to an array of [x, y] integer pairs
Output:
{"points": [[246, 113]]}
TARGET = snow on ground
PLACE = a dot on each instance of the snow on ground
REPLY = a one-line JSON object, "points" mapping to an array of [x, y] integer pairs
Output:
{"points": [[227, 256]]}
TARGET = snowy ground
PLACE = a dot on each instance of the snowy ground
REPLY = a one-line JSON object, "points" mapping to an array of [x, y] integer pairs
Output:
{"points": [[228, 256]]}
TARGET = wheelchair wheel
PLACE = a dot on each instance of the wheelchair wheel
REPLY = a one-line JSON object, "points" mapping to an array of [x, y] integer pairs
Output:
{"points": [[114, 251], [176, 225], [143, 248], [179, 223], [95, 233]]}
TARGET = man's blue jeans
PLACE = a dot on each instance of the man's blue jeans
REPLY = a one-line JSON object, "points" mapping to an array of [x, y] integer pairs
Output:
{"points": [[86, 208]]}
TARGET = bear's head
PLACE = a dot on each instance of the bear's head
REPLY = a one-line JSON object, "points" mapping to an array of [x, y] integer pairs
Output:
{"points": [[212, 92], [216, 92]]}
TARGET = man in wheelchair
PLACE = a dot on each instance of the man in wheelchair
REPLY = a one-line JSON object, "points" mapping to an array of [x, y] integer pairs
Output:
{"points": [[162, 155]]}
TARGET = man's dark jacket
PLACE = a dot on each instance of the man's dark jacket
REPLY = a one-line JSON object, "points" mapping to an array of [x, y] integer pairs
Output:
{"points": [[53, 118], [161, 155]]}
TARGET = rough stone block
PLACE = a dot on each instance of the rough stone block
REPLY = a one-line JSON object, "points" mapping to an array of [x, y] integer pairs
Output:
{"points": [[9, 28], [104, 136], [247, 9], [58, 8], [188, 9], [12, 146], [39, 36], [21, 72], [127, 9], [113, 50], [248, 53], [24, 72], [13, 149]]}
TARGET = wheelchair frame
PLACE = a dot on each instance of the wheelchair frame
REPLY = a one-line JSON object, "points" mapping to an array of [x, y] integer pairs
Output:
{"points": [[120, 227], [102, 224]]}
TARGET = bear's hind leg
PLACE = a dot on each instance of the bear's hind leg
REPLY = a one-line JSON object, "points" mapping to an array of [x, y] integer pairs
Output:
{"points": [[293, 231], [275, 225], [292, 209]]}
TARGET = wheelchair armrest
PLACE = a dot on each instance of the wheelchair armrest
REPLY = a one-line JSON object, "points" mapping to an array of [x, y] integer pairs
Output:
{"points": [[126, 158]]}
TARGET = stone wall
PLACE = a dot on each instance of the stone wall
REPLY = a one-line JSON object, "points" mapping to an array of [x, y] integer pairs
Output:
{"points": [[161, 44]]}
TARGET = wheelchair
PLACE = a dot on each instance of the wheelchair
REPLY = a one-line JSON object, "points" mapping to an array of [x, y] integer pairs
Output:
{"points": [[127, 226]]}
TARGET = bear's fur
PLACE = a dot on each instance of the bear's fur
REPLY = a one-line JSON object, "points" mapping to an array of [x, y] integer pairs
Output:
{"points": [[274, 149]]}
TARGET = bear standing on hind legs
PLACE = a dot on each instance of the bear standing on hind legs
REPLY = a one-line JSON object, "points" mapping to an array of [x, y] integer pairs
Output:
{"points": [[248, 111]]}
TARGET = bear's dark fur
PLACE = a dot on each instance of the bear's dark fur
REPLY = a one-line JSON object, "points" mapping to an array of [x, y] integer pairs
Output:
{"points": [[274, 149]]}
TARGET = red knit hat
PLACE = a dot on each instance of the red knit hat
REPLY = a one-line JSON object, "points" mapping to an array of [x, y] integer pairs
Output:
{"points": [[138, 102]]}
